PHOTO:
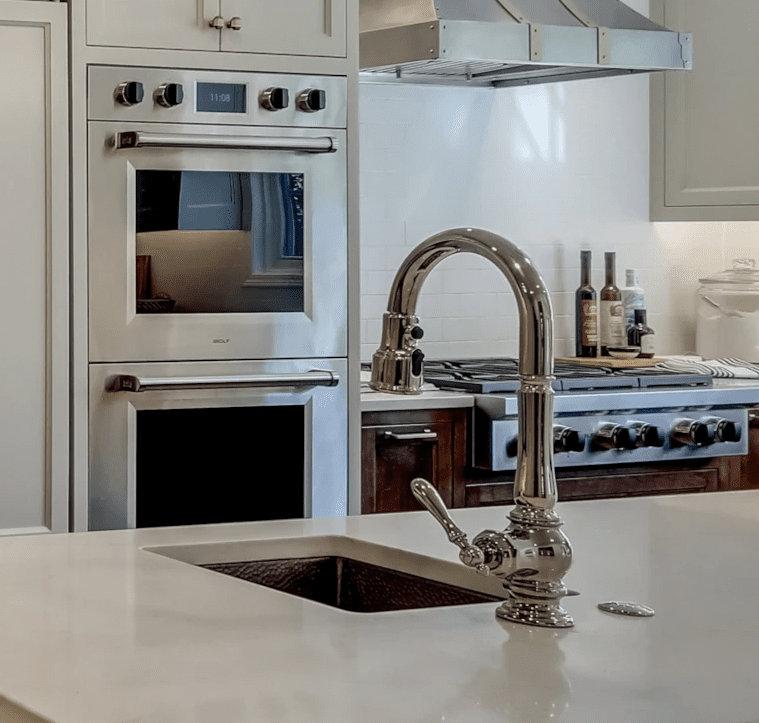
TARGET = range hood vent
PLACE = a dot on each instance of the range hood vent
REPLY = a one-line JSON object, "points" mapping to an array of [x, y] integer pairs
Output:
{"points": [[512, 42]]}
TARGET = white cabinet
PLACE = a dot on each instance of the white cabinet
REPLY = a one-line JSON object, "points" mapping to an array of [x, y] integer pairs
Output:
{"points": [[705, 156], [169, 24], [289, 27], [34, 273], [284, 27]]}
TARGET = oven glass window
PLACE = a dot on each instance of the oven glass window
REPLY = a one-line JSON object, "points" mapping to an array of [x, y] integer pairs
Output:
{"points": [[206, 466], [211, 242]]}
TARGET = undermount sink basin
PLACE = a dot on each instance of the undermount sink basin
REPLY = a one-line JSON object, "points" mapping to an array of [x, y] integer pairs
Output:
{"points": [[343, 572]]}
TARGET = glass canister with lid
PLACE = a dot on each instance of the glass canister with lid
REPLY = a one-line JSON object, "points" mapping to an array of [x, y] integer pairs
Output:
{"points": [[728, 313]]}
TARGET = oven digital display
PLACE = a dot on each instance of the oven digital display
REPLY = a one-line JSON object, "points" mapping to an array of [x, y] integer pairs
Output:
{"points": [[220, 98]]}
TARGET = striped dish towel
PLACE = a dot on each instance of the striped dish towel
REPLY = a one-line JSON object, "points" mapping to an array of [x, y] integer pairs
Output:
{"points": [[727, 368]]}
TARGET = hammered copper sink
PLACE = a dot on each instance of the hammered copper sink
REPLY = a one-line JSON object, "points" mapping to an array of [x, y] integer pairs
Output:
{"points": [[343, 572], [353, 585]]}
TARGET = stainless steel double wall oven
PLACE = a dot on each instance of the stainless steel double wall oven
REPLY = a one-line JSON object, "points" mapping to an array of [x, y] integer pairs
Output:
{"points": [[217, 251]]}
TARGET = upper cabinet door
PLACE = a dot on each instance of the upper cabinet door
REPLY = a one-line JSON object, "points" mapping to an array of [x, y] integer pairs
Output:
{"points": [[705, 156], [284, 27], [164, 24]]}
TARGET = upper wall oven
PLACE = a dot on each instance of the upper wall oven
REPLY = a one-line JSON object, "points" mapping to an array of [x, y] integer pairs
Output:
{"points": [[217, 215]]}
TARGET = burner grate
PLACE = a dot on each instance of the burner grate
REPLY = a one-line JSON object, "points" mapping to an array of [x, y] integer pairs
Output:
{"points": [[494, 375]]}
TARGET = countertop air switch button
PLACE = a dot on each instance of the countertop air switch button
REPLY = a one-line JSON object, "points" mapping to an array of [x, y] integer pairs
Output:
{"points": [[129, 93]]}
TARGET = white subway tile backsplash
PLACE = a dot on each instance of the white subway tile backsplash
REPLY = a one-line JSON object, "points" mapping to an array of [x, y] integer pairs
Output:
{"points": [[555, 169], [374, 258], [373, 306]]}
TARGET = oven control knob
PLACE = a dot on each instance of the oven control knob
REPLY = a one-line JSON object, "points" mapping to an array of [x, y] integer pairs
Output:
{"points": [[274, 99], [129, 93], [566, 439], [312, 100], [726, 431], [169, 95], [690, 433], [646, 435], [611, 436]]}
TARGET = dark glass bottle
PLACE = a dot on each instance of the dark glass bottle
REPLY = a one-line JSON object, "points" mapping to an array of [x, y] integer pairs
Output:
{"points": [[586, 312], [642, 335], [611, 310]]}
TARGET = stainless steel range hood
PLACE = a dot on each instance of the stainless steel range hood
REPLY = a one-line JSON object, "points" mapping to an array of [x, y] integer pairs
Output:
{"points": [[512, 42]]}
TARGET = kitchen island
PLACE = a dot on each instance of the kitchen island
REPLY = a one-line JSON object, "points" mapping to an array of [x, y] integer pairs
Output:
{"points": [[101, 628]]}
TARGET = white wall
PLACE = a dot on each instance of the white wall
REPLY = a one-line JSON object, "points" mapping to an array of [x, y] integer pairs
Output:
{"points": [[554, 168]]}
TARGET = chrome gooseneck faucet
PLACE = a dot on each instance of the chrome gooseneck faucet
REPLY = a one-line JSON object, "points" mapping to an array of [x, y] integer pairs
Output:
{"points": [[532, 555]]}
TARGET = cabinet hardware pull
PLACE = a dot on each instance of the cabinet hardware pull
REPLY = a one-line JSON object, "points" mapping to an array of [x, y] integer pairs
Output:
{"points": [[234, 23], [412, 436], [139, 139], [134, 384]]}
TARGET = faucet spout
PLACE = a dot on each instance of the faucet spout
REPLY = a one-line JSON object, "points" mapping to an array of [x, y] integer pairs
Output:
{"points": [[397, 363]]}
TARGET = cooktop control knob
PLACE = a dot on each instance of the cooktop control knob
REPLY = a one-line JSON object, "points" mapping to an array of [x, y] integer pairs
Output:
{"points": [[690, 433], [646, 435], [129, 93], [611, 436], [275, 99], [566, 439], [312, 100], [726, 431], [169, 95]]}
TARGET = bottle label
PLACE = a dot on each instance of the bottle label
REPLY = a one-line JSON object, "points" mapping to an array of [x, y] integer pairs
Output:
{"points": [[613, 323], [632, 300], [589, 322], [647, 343]]}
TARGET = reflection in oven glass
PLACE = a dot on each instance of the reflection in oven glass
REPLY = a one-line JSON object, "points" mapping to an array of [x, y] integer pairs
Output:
{"points": [[205, 466], [215, 242]]}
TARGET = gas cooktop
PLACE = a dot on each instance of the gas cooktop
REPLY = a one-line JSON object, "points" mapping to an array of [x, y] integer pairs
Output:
{"points": [[493, 375]]}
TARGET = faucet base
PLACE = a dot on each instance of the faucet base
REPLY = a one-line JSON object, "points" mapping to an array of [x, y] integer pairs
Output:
{"points": [[545, 615]]}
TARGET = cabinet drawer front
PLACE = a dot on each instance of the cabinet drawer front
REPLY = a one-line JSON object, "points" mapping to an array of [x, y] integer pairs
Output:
{"points": [[393, 455]]}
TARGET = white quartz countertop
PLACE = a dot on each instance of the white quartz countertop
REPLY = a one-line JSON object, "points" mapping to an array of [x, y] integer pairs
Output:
{"points": [[430, 398], [96, 629]]}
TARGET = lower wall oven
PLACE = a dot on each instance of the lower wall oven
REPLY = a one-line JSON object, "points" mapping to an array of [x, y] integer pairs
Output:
{"points": [[210, 442]]}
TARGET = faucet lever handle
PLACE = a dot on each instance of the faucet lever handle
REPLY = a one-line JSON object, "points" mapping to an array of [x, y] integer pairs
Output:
{"points": [[470, 555]]}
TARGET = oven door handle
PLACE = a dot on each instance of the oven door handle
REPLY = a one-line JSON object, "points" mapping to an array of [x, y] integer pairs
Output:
{"points": [[140, 139], [134, 384]]}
